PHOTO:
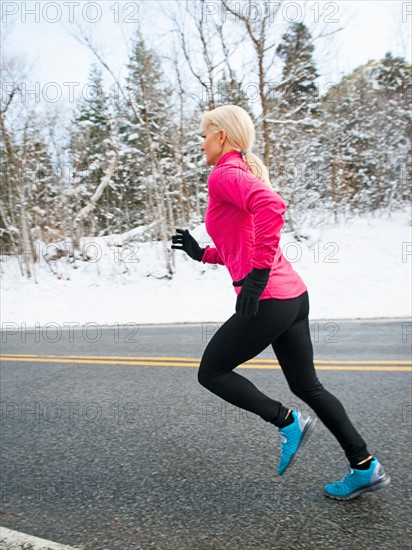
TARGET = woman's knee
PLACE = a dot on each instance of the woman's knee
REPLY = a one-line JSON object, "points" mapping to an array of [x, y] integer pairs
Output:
{"points": [[201, 377], [306, 391], [205, 375]]}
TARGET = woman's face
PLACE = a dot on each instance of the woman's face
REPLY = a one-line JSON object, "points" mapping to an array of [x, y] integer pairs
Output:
{"points": [[214, 145]]}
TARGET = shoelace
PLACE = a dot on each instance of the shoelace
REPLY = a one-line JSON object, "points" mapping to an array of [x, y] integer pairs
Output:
{"points": [[283, 438], [349, 472]]}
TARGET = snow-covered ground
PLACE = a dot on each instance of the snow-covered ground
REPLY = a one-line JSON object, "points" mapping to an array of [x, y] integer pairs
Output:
{"points": [[359, 268]]}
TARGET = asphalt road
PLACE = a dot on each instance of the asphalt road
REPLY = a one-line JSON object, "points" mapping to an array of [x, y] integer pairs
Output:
{"points": [[107, 446]]}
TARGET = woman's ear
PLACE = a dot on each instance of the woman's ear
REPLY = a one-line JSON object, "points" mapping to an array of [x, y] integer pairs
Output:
{"points": [[223, 136]]}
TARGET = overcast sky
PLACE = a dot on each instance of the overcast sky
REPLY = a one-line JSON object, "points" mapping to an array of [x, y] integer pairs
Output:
{"points": [[40, 31]]}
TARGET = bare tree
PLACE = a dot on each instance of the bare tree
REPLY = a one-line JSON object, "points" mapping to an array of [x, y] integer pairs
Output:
{"points": [[161, 202], [198, 40], [13, 173]]}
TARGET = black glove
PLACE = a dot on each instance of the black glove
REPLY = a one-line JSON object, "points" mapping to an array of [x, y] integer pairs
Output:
{"points": [[247, 303], [188, 244]]}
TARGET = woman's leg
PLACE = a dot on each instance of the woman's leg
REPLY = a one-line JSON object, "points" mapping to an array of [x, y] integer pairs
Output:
{"points": [[239, 340], [294, 351]]}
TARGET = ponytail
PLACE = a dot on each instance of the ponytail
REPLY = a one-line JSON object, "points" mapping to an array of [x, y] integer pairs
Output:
{"points": [[257, 167], [240, 131]]}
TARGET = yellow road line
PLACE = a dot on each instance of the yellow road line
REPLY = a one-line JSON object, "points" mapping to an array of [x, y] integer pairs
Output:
{"points": [[185, 362], [196, 359], [126, 357]]}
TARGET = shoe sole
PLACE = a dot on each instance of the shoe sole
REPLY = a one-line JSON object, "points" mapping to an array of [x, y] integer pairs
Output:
{"points": [[369, 489], [307, 430]]}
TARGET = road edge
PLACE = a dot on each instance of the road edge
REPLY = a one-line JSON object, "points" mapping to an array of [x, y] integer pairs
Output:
{"points": [[15, 540]]}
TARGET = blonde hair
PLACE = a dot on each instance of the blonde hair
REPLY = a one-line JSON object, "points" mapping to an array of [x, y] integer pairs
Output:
{"points": [[240, 131]]}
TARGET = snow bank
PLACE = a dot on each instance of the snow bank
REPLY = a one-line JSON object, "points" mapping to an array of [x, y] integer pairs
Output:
{"points": [[359, 268]]}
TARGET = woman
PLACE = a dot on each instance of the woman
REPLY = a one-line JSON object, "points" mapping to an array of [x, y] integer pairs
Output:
{"points": [[244, 218]]}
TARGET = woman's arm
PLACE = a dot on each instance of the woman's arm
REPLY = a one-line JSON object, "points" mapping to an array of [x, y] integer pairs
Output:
{"points": [[244, 190], [212, 256]]}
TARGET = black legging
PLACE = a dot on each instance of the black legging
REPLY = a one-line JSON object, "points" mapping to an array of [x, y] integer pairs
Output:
{"points": [[285, 325]]}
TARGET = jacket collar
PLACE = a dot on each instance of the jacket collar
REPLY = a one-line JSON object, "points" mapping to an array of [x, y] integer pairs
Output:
{"points": [[227, 157]]}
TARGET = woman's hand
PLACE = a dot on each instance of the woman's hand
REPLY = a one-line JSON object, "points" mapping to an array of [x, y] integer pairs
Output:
{"points": [[187, 243], [253, 285]]}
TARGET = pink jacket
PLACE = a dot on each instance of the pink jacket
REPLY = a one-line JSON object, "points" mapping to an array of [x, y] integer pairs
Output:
{"points": [[244, 218]]}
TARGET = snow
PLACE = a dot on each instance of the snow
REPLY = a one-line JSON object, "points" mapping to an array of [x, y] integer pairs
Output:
{"points": [[360, 268]]}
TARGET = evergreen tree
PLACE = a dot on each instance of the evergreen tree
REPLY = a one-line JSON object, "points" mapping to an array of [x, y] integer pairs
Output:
{"points": [[368, 138], [9, 177], [295, 123], [148, 133], [30, 194], [394, 76], [43, 190], [89, 145], [298, 88]]}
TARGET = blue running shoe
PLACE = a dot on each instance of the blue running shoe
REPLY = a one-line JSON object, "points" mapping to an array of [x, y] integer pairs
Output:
{"points": [[356, 482], [293, 437]]}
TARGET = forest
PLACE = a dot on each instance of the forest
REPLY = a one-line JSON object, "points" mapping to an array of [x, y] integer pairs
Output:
{"points": [[131, 168]]}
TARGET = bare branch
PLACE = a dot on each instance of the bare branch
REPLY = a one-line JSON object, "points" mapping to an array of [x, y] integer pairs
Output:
{"points": [[98, 192], [245, 20], [10, 98]]}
